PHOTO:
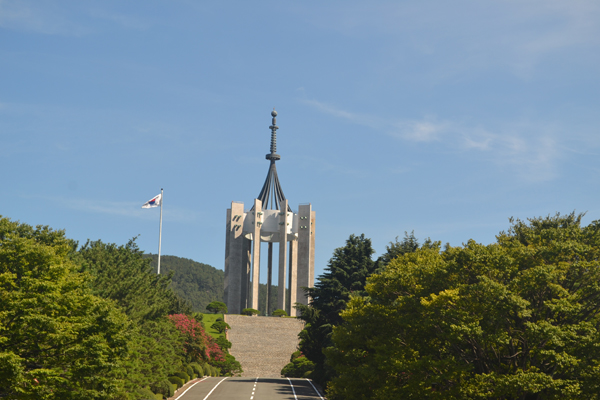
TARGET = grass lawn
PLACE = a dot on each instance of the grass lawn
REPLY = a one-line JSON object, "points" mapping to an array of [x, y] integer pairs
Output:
{"points": [[208, 320]]}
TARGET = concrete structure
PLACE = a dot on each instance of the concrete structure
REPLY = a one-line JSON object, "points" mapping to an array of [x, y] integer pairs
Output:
{"points": [[270, 220]]}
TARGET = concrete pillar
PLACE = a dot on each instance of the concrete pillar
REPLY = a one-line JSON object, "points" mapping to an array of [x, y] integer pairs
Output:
{"points": [[283, 221], [269, 278], [235, 258], [311, 267], [258, 213], [293, 276], [305, 252], [227, 234], [245, 296]]}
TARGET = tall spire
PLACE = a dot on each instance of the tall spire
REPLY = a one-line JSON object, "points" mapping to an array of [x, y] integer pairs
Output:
{"points": [[273, 156], [271, 193]]}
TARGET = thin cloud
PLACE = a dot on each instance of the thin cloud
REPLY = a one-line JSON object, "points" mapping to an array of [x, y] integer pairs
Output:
{"points": [[532, 150]]}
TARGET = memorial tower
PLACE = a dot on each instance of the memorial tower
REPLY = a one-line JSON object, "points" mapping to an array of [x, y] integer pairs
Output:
{"points": [[270, 220]]}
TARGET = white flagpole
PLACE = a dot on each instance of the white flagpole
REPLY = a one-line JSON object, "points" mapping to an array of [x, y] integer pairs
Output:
{"points": [[160, 228]]}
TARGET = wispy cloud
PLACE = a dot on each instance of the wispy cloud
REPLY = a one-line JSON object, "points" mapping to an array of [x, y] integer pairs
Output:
{"points": [[130, 209], [531, 150]]}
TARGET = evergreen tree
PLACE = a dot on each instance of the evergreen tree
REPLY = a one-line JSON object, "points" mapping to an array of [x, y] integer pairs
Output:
{"points": [[345, 274]]}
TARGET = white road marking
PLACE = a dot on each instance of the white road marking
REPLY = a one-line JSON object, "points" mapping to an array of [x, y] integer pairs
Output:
{"points": [[293, 391], [318, 394], [191, 387], [213, 389]]}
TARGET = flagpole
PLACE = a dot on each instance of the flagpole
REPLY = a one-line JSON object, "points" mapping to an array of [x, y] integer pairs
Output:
{"points": [[160, 228]]}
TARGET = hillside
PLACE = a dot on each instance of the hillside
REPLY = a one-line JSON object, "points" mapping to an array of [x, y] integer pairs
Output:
{"points": [[200, 283]]}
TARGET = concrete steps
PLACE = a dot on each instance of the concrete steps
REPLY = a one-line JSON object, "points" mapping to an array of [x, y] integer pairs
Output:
{"points": [[263, 345]]}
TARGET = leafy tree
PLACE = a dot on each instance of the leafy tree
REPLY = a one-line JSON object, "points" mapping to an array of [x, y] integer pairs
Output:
{"points": [[122, 274], [220, 326], [279, 313], [345, 274], [250, 311], [57, 339], [298, 367], [409, 244], [217, 307], [516, 319]]}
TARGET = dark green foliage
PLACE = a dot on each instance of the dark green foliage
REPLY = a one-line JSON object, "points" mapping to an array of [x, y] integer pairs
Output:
{"points": [[177, 381], [409, 244], [345, 274], [207, 370], [229, 367], [189, 370], [184, 376], [197, 368], [163, 387], [220, 326], [217, 307], [224, 344], [299, 366], [124, 275], [279, 313], [144, 394], [250, 311], [195, 282]]}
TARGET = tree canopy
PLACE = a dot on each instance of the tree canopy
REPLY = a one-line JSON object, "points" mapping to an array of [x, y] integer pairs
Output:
{"points": [[516, 319]]}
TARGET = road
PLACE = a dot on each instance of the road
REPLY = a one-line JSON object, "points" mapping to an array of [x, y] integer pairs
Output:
{"points": [[251, 389]]}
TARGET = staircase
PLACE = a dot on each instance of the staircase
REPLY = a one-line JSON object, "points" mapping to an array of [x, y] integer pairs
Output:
{"points": [[263, 345]]}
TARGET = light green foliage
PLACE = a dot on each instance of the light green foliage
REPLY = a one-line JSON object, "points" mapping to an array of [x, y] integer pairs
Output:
{"points": [[517, 319], [57, 340], [208, 320], [217, 307], [279, 313], [250, 311]]}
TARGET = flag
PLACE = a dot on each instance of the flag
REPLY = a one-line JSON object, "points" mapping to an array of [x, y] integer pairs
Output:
{"points": [[154, 202]]}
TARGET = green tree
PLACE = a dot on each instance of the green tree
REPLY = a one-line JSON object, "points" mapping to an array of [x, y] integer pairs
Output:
{"points": [[409, 244], [516, 319], [57, 339], [217, 307], [250, 311], [122, 274], [298, 367], [345, 274], [279, 313], [220, 326]]}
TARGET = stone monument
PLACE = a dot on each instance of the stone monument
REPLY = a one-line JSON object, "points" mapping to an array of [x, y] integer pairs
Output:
{"points": [[270, 220]]}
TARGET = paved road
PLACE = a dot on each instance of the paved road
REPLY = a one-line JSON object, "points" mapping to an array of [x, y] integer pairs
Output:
{"points": [[251, 389]]}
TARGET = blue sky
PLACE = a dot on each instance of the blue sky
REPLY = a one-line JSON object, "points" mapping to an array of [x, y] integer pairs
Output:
{"points": [[445, 118]]}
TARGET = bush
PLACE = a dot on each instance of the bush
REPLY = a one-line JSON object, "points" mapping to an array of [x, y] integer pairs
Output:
{"points": [[220, 326], [158, 396], [176, 381], [207, 370], [189, 370], [224, 344], [299, 367], [144, 394], [163, 387], [185, 377], [198, 370], [250, 311], [217, 307], [279, 313]]}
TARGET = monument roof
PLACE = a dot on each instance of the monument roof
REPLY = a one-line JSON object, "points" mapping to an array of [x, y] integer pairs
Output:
{"points": [[271, 193]]}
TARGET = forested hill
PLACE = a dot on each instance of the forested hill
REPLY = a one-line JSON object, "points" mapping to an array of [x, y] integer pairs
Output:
{"points": [[195, 282], [200, 284]]}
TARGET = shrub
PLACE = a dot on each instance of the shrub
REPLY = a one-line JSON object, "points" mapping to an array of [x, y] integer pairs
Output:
{"points": [[185, 377], [279, 313], [158, 396], [198, 370], [207, 370], [144, 394], [220, 326], [224, 344], [217, 307], [176, 381], [189, 370], [299, 367], [163, 387], [250, 311]]}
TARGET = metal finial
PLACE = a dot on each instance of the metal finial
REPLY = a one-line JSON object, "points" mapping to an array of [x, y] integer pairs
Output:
{"points": [[273, 156]]}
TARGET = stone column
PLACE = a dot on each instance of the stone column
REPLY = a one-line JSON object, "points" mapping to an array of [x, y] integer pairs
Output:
{"points": [[256, 252], [283, 221], [234, 262], [269, 278], [293, 276], [305, 252]]}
